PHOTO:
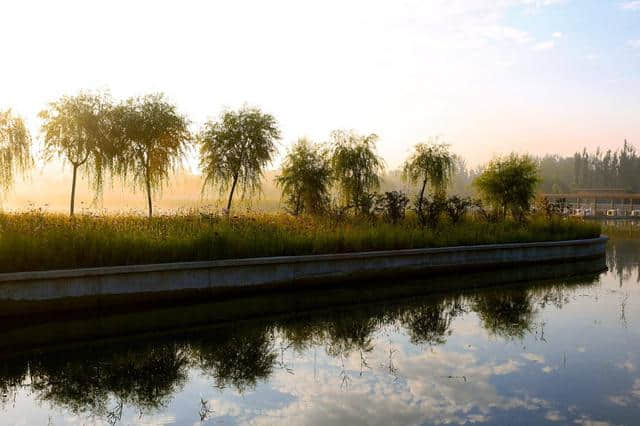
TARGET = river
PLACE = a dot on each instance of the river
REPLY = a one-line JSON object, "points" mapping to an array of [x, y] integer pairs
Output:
{"points": [[556, 351]]}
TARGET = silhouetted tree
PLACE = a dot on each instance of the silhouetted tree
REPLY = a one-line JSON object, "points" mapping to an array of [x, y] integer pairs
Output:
{"points": [[15, 148], [305, 178], [236, 148], [76, 128], [356, 168], [431, 163], [152, 138]]}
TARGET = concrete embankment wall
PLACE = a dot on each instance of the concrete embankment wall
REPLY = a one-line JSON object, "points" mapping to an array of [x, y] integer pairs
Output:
{"points": [[77, 288]]}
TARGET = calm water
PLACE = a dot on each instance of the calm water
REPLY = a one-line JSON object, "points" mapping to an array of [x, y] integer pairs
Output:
{"points": [[559, 351]]}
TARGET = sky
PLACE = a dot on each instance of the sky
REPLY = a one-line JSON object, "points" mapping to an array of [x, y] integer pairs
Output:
{"points": [[487, 76]]}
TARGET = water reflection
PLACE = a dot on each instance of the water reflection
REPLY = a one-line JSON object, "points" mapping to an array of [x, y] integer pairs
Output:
{"points": [[525, 353], [235, 357]]}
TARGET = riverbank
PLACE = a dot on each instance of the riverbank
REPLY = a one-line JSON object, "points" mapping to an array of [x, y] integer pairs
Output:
{"points": [[34, 241], [47, 292], [27, 333]]}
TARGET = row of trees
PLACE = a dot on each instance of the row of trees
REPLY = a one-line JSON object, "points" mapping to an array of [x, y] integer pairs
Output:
{"points": [[617, 169], [600, 169], [143, 139], [350, 162]]}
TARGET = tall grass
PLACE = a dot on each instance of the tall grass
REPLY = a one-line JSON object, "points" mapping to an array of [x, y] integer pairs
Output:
{"points": [[622, 230], [39, 241]]}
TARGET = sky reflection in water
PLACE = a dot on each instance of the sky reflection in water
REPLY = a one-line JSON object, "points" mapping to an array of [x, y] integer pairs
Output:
{"points": [[552, 352]]}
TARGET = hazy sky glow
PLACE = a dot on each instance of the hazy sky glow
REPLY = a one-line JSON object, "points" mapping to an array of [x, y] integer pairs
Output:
{"points": [[490, 76]]}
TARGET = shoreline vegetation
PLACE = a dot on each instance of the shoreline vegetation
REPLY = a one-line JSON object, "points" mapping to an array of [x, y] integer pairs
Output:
{"points": [[629, 230], [34, 240], [331, 191]]}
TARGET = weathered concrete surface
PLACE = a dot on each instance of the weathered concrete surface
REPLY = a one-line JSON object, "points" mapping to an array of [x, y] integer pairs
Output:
{"points": [[71, 287]]}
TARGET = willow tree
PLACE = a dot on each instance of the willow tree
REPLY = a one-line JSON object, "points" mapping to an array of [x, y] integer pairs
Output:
{"points": [[236, 149], [151, 141], [15, 148], [431, 164], [356, 167], [509, 184], [76, 129], [305, 178]]}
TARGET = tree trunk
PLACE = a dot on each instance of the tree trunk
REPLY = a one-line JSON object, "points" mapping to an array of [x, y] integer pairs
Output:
{"points": [[233, 188], [298, 203], [73, 189], [149, 202], [421, 198]]}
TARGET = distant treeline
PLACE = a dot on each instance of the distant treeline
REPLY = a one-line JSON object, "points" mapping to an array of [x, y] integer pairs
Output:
{"points": [[608, 169], [599, 169]]}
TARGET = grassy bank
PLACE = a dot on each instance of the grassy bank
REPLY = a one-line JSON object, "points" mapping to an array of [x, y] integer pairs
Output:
{"points": [[40, 241], [622, 230]]}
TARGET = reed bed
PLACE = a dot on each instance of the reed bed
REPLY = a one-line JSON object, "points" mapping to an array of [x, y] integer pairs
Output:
{"points": [[622, 230], [38, 240]]}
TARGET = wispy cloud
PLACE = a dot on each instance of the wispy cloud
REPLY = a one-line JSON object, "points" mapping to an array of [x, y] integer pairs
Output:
{"points": [[634, 44], [631, 5], [540, 3], [557, 34], [545, 45]]}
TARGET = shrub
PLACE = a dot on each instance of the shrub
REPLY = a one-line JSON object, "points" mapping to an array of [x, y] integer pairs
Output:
{"points": [[457, 207], [392, 205], [429, 211]]}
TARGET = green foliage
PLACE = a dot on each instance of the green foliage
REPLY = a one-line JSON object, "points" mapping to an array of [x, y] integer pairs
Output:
{"points": [[551, 208], [356, 168], [509, 184], [431, 163], [607, 169], [457, 207], [305, 178], [429, 210], [151, 140], [77, 128], [392, 205], [235, 150], [37, 241], [15, 148]]}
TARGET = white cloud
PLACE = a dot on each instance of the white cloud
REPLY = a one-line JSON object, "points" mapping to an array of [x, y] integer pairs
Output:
{"points": [[555, 416], [557, 34], [436, 387], [631, 5], [533, 357], [628, 365], [545, 45], [541, 3], [634, 44]]}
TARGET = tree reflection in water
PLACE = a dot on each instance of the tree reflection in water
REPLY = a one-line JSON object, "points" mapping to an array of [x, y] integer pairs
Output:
{"points": [[101, 380], [505, 313], [431, 323], [145, 377], [236, 357]]}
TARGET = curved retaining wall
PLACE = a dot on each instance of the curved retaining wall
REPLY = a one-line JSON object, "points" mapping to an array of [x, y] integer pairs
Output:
{"points": [[171, 279]]}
